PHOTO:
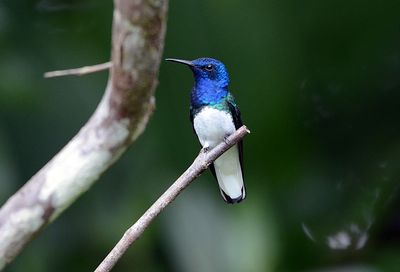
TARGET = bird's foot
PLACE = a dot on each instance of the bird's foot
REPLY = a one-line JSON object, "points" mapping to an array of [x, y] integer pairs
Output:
{"points": [[205, 149], [226, 140]]}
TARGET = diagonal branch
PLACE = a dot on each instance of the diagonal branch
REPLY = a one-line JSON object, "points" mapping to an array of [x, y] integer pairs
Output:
{"points": [[201, 163], [79, 71], [137, 44]]}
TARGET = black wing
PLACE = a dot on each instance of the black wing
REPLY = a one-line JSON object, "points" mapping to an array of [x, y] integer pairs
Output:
{"points": [[237, 120]]}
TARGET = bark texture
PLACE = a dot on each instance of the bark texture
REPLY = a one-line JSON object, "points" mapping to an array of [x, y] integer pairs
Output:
{"points": [[137, 44]]}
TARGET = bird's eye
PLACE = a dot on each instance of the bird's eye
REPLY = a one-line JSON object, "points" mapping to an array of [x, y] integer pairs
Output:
{"points": [[209, 67]]}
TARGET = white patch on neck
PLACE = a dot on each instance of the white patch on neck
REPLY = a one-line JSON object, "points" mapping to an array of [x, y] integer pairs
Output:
{"points": [[212, 125]]}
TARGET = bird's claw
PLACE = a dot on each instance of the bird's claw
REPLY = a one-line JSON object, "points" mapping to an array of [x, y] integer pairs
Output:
{"points": [[205, 149], [226, 140]]}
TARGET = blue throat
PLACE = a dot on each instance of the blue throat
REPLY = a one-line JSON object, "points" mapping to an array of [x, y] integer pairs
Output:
{"points": [[208, 92]]}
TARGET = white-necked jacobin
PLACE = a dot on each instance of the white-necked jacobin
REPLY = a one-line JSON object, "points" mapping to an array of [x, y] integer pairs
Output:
{"points": [[215, 115]]}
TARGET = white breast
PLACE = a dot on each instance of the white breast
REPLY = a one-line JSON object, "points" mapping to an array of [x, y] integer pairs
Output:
{"points": [[212, 125]]}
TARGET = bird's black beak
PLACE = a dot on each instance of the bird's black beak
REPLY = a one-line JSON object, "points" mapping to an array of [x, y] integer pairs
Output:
{"points": [[186, 62]]}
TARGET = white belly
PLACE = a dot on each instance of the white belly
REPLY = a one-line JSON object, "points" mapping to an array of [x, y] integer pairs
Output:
{"points": [[212, 125]]}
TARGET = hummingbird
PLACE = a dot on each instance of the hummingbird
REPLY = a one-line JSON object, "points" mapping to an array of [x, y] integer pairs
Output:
{"points": [[215, 115]]}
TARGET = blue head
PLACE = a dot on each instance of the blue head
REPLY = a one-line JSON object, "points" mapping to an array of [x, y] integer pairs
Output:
{"points": [[211, 80], [207, 71]]}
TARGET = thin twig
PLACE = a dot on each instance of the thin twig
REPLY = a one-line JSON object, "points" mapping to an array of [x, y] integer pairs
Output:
{"points": [[79, 71], [201, 163]]}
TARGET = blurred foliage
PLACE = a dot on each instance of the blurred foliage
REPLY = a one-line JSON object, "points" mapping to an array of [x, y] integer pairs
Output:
{"points": [[318, 84]]}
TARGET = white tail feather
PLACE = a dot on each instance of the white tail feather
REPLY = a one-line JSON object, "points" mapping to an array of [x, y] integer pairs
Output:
{"points": [[229, 174]]}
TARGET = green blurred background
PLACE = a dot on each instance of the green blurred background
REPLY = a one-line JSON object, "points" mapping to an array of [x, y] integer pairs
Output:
{"points": [[318, 84]]}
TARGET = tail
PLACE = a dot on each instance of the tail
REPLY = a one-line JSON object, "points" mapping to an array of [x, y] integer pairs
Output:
{"points": [[228, 171]]}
